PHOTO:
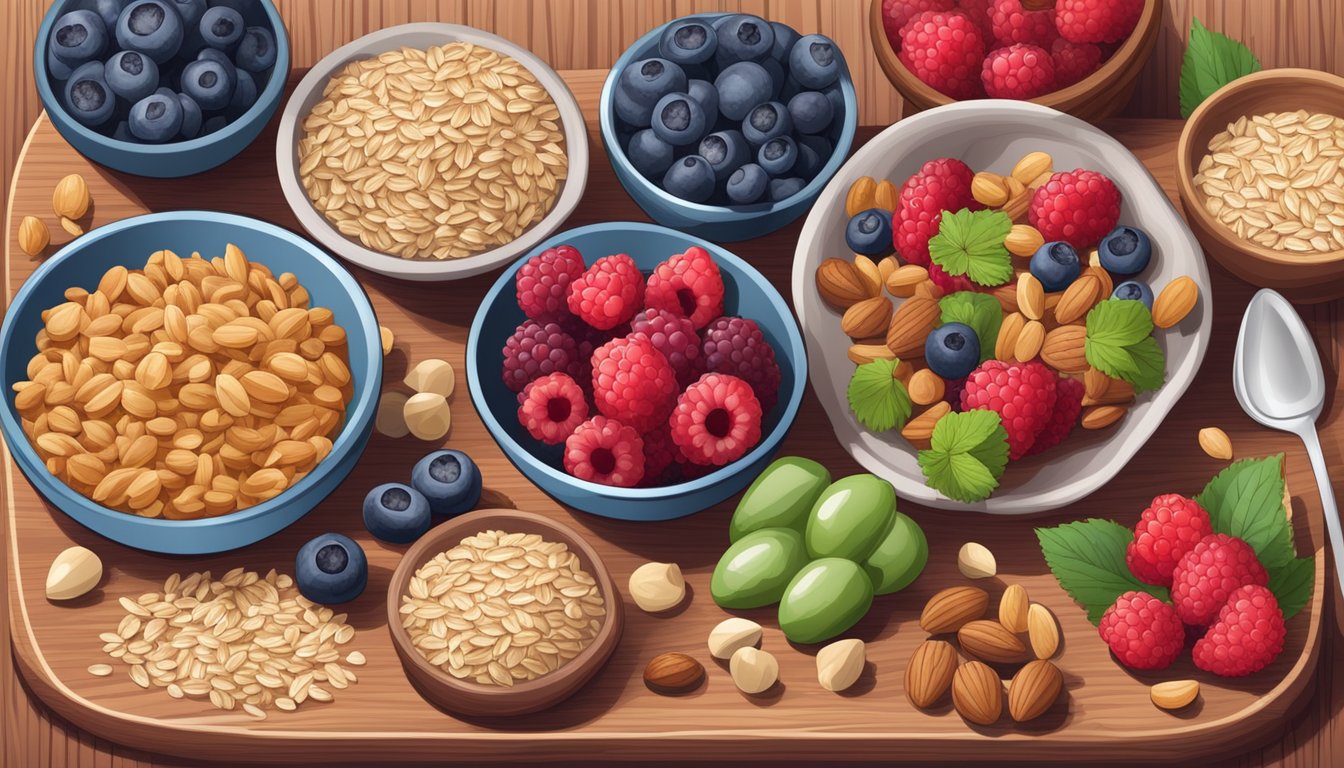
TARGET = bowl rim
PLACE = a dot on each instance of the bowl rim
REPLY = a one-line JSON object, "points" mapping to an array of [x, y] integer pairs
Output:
{"points": [[1186, 165], [528, 463], [566, 202], [65, 497], [270, 94], [607, 127]]}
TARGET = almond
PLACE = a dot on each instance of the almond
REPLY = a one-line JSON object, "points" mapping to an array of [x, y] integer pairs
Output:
{"points": [[1030, 297], [919, 430], [1175, 302], [902, 282], [1175, 694], [867, 353], [1033, 690], [1095, 383], [33, 235], [911, 324], [868, 270], [951, 608], [1103, 279], [929, 673], [1215, 443], [988, 189], [926, 387], [929, 290], [840, 284], [887, 266], [1023, 240], [1029, 341], [1032, 165], [1009, 330], [673, 673], [1007, 296], [1013, 608], [860, 196], [71, 197], [1078, 299], [1065, 349], [1019, 200], [73, 573], [840, 664], [975, 561], [867, 318], [886, 196], [1102, 416], [977, 693], [990, 641], [1118, 392], [1042, 631], [904, 370]]}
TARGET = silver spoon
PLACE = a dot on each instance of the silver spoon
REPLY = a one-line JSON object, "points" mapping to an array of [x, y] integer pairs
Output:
{"points": [[1279, 382]]}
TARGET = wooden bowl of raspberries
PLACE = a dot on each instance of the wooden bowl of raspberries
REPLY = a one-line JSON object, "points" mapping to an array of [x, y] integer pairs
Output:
{"points": [[1078, 56]]}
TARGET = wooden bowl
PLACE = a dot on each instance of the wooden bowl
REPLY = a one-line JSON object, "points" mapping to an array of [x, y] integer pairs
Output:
{"points": [[1094, 98], [472, 699], [1303, 278]]}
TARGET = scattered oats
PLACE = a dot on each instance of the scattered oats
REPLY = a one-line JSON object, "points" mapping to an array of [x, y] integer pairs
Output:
{"points": [[100, 670]]}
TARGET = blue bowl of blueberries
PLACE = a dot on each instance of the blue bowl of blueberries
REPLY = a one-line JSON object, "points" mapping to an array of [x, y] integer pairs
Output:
{"points": [[727, 126], [163, 88]]}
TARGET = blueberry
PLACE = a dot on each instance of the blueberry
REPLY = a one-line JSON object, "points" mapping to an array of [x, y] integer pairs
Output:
{"points": [[244, 93], [450, 480], [726, 151], [689, 41], [678, 120], [783, 189], [642, 84], [215, 55], [87, 96], [707, 96], [819, 144], [650, 155], [109, 11], [952, 350], [811, 112], [396, 513], [791, 88], [744, 38], [785, 37], [216, 123], [809, 163], [331, 569], [1056, 265], [222, 27], [191, 12], [777, 155], [690, 178], [123, 132], [742, 86], [869, 232], [209, 83], [191, 116], [156, 118], [77, 37], [58, 69], [256, 52], [777, 77], [151, 27], [836, 95], [131, 75], [815, 61], [765, 122], [1134, 290], [1125, 251], [747, 184]]}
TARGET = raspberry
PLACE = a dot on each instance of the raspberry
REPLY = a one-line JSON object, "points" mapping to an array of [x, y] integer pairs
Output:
{"points": [[941, 185], [1245, 637], [1012, 23], [1019, 71], [537, 349], [633, 382], [717, 420], [688, 284], [1142, 631], [944, 49], [661, 456], [1079, 207], [1068, 404], [949, 283], [979, 11], [736, 346], [542, 284], [1169, 528], [1097, 21], [609, 293], [551, 407], [952, 393], [1023, 394], [605, 451], [1213, 569], [673, 335], [895, 13], [1073, 61]]}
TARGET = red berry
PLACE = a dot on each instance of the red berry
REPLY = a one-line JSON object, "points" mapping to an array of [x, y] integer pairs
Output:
{"points": [[1079, 207], [688, 284], [1074, 61], [660, 456], [1023, 394], [736, 346], [609, 293], [605, 451], [717, 420], [1169, 528], [949, 283], [1142, 631], [979, 11], [940, 185], [1011, 23], [542, 284], [1068, 404], [1097, 21], [551, 407], [944, 49], [674, 335], [1213, 569], [895, 13], [633, 382], [537, 349], [1246, 635], [1020, 71]]}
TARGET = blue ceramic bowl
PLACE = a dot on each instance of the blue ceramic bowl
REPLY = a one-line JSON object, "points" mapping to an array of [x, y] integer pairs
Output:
{"points": [[129, 243], [173, 159], [748, 294], [715, 222]]}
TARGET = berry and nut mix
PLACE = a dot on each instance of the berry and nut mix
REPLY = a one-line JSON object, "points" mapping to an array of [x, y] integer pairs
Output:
{"points": [[440, 153], [190, 388], [500, 608]]}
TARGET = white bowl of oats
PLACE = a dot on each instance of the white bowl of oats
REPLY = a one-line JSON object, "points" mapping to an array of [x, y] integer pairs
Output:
{"points": [[431, 151]]}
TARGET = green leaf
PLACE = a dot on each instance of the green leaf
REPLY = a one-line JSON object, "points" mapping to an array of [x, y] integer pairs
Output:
{"points": [[981, 311], [1120, 344], [962, 432], [1119, 323], [878, 399], [1212, 60], [1088, 560], [1115, 362], [1292, 584], [967, 456], [1246, 500], [970, 243], [1150, 365]]}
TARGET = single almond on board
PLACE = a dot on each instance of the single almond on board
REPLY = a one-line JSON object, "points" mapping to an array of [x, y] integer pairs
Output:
{"points": [[391, 418], [1032, 165], [1042, 631], [975, 561], [840, 284], [1030, 297], [71, 197], [1013, 608], [73, 573], [1216, 443], [1079, 298], [1023, 240], [926, 387], [867, 353], [1030, 340], [948, 610], [919, 430], [861, 196], [988, 189], [386, 337], [427, 415], [1033, 690], [1175, 694], [432, 375], [1102, 416], [33, 235], [988, 640], [928, 675], [1009, 330], [673, 673], [1175, 302], [753, 670], [911, 324], [733, 633], [840, 664], [977, 693], [657, 586], [1065, 349], [902, 282], [867, 318], [71, 227]]}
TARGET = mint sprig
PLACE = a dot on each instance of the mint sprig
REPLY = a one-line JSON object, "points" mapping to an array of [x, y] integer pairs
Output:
{"points": [[981, 311], [878, 399], [967, 455], [970, 243], [1212, 60], [1120, 344]]}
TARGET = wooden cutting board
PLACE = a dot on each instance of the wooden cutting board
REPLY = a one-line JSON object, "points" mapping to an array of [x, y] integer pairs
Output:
{"points": [[1105, 715]]}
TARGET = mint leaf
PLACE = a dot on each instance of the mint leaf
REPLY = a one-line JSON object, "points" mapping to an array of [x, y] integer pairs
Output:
{"points": [[1150, 365], [1115, 362], [1120, 344], [1292, 584], [981, 311], [1246, 500], [878, 399], [1119, 323], [1212, 60], [1088, 560], [963, 432], [967, 456], [970, 243]]}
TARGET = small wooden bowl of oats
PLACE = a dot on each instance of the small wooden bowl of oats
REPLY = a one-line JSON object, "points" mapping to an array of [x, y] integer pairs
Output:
{"points": [[501, 612], [1261, 175]]}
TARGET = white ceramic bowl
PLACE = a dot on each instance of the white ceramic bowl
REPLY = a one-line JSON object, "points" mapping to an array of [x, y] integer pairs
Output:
{"points": [[424, 35], [992, 135]]}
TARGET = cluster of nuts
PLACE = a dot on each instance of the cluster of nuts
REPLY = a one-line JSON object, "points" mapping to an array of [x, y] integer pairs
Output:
{"points": [[69, 201], [425, 413]]}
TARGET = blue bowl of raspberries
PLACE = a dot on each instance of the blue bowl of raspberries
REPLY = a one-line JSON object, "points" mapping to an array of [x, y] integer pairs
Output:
{"points": [[635, 372], [727, 126], [162, 88]]}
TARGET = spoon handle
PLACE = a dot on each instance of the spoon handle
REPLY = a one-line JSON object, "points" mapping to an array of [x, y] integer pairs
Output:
{"points": [[1332, 524]]}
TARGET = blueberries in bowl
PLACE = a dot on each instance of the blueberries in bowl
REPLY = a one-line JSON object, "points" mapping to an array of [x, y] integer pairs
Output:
{"points": [[706, 95], [156, 118], [209, 83], [747, 184], [191, 12], [450, 481], [811, 112], [151, 27], [742, 86], [765, 122], [678, 120], [396, 513], [642, 85], [688, 41], [244, 93], [1056, 265], [1134, 290], [777, 155], [744, 38], [191, 116], [952, 350], [783, 189], [726, 151], [691, 178], [815, 61], [869, 232], [1125, 251], [256, 51], [78, 37], [131, 75], [331, 569], [221, 28], [88, 97], [649, 154], [109, 11]]}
